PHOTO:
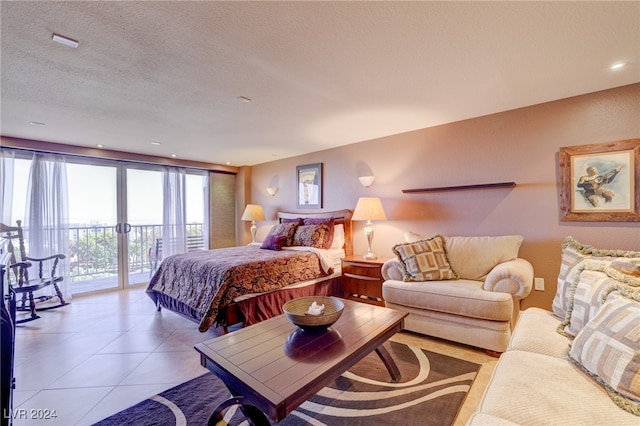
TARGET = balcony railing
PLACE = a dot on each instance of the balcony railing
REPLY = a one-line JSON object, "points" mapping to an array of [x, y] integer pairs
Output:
{"points": [[93, 250]]}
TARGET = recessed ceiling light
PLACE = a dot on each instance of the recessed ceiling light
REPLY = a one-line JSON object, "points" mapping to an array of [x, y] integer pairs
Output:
{"points": [[244, 99], [100, 145], [65, 40], [173, 155], [617, 66], [228, 163], [155, 143], [36, 123]]}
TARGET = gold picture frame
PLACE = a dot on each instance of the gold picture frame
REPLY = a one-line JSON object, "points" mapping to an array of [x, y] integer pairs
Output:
{"points": [[600, 182], [309, 191]]}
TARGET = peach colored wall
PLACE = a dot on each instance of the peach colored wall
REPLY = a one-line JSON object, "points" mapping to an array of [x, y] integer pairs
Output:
{"points": [[519, 145]]}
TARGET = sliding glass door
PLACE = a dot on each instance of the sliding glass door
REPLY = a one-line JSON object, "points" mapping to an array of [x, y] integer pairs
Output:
{"points": [[143, 223], [93, 218], [115, 218]]}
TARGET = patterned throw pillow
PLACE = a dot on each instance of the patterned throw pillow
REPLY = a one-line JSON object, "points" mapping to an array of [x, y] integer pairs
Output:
{"points": [[286, 229], [318, 236], [425, 260], [573, 255], [608, 348], [586, 294]]}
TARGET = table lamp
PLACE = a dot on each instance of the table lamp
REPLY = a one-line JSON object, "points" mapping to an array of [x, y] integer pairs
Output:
{"points": [[369, 208], [253, 212]]}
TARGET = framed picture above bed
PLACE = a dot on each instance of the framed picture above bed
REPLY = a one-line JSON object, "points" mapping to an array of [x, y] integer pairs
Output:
{"points": [[309, 193], [601, 182]]}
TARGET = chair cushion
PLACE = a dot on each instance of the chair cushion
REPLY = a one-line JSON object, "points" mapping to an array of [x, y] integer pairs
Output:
{"points": [[460, 297], [474, 257]]}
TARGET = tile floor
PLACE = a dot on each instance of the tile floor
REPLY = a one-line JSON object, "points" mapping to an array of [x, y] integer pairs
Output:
{"points": [[108, 351]]}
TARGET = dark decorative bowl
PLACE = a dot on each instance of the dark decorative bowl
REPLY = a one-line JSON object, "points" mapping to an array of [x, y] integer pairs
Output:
{"points": [[295, 310]]}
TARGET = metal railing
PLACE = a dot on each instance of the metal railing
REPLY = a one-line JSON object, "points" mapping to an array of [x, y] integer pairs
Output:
{"points": [[93, 250]]}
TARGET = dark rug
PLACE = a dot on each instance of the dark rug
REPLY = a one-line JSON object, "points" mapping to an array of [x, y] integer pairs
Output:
{"points": [[431, 392]]}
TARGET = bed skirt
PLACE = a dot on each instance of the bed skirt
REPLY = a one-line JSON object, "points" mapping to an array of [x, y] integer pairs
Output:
{"points": [[269, 305], [253, 309]]}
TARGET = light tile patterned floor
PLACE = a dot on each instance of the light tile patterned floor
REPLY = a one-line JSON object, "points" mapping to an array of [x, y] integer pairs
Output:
{"points": [[108, 351]]}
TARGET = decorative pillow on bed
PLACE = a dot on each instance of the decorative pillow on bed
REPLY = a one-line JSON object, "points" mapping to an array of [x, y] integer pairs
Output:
{"points": [[297, 220], [425, 260], [318, 236], [326, 221], [286, 229], [338, 236], [573, 256], [609, 350], [274, 242]]}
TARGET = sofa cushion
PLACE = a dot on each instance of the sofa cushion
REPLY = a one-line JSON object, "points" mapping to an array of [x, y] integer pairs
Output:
{"points": [[587, 291], [573, 255], [608, 348], [473, 257], [534, 389], [534, 333], [425, 260]]}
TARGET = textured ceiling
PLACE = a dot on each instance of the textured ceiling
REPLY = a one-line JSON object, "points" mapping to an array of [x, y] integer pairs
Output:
{"points": [[319, 74]]}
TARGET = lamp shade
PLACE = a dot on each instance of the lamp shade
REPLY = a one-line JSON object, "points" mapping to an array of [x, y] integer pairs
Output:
{"points": [[253, 212], [369, 208]]}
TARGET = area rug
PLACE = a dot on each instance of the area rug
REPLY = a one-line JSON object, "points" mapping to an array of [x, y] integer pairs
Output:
{"points": [[431, 392]]}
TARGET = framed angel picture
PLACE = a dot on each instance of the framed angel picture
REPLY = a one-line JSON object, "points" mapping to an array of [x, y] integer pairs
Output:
{"points": [[309, 179], [600, 182]]}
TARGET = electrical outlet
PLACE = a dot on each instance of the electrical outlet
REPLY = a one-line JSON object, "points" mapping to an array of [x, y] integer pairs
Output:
{"points": [[538, 284]]}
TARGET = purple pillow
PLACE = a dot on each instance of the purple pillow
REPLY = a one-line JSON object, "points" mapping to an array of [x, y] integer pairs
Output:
{"points": [[318, 221], [297, 220], [274, 242]]}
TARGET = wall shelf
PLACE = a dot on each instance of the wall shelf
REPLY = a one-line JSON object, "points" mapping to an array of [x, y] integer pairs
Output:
{"points": [[462, 187]]}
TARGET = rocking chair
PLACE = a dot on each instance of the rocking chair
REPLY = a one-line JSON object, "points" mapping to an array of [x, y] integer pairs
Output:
{"points": [[24, 287]]}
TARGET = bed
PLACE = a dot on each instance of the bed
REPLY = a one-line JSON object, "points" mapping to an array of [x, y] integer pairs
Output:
{"points": [[248, 284]]}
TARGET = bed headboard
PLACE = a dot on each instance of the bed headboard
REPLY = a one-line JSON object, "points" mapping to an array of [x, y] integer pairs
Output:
{"points": [[341, 216]]}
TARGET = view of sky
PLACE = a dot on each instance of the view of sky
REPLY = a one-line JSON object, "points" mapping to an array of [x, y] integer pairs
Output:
{"points": [[93, 195]]}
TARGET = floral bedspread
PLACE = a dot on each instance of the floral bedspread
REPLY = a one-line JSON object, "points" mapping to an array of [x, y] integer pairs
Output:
{"points": [[208, 280]]}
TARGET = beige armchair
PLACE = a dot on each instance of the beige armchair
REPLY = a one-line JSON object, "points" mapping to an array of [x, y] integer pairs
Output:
{"points": [[480, 307]]}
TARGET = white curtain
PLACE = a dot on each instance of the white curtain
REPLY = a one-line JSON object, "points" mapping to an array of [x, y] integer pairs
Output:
{"points": [[205, 203], [6, 185], [174, 211], [47, 215]]}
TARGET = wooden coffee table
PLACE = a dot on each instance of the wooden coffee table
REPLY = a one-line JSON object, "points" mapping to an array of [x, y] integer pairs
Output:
{"points": [[272, 367]]}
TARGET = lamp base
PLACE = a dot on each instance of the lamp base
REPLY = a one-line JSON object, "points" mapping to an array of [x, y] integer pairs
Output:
{"points": [[370, 256]]}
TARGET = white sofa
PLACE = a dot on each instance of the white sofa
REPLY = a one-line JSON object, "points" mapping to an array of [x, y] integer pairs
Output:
{"points": [[479, 308], [579, 364], [535, 384]]}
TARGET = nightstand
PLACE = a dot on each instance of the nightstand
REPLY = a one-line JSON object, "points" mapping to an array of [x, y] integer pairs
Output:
{"points": [[362, 279]]}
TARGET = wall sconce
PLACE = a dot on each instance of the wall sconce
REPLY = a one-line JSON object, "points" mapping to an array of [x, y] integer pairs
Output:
{"points": [[369, 208], [366, 181], [253, 212], [272, 190]]}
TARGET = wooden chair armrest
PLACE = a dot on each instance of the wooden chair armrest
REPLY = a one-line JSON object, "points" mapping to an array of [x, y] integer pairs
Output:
{"points": [[21, 265], [53, 256]]}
